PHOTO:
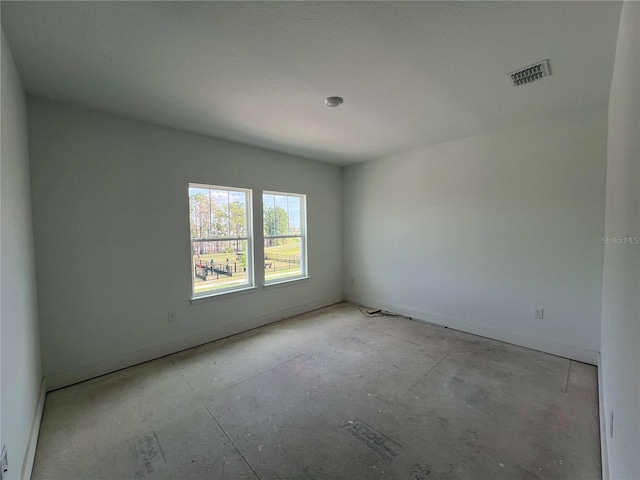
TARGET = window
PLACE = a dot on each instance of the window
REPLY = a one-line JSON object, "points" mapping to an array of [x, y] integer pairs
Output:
{"points": [[221, 240], [285, 245]]}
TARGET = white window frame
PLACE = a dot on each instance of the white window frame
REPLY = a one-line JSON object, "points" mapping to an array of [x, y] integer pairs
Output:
{"points": [[304, 267], [250, 284]]}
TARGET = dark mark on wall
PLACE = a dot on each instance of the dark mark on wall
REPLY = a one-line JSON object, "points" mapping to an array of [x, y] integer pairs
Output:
{"points": [[386, 448], [147, 453]]}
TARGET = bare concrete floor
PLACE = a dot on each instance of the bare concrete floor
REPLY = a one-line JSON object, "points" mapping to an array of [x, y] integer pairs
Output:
{"points": [[332, 394]]}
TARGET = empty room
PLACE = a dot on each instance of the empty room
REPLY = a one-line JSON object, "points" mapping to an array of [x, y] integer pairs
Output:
{"points": [[320, 240]]}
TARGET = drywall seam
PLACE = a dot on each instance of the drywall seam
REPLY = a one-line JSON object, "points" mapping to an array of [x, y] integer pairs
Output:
{"points": [[86, 372], [30, 453], [568, 351], [604, 449]]}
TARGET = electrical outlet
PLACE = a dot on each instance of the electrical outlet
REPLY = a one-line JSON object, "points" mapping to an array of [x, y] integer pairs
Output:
{"points": [[4, 462], [539, 313], [171, 316]]}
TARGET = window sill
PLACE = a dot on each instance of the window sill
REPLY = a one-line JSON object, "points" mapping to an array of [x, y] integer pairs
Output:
{"points": [[220, 295], [282, 283]]}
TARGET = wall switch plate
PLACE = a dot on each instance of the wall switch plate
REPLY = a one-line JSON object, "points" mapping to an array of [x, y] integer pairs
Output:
{"points": [[171, 316], [4, 462], [539, 313]]}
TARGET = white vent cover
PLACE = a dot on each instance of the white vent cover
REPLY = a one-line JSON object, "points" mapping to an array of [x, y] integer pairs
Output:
{"points": [[530, 74]]}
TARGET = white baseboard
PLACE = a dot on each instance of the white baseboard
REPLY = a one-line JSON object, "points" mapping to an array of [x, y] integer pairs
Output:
{"points": [[604, 446], [30, 453], [80, 374], [548, 346]]}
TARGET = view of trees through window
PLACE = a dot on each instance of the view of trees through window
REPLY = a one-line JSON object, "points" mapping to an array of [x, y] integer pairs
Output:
{"points": [[283, 217], [219, 238]]}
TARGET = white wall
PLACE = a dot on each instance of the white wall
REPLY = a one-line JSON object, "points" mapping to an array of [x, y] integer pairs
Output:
{"points": [[620, 361], [476, 233], [19, 344], [111, 220]]}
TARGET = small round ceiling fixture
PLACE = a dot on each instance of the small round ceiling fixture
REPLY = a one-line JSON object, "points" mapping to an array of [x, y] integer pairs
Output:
{"points": [[333, 101]]}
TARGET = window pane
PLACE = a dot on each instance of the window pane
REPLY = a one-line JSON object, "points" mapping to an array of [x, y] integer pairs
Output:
{"points": [[219, 264], [238, 214], [281, 215], [282, 258], [199, 212], [269, 214], [294, 216], [219, 213]]}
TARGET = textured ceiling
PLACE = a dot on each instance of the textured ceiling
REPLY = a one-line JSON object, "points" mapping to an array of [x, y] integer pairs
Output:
{"points": [[411, 73]]}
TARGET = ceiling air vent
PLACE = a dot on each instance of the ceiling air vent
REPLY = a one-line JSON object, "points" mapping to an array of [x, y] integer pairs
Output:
{"points": [[530, 74]]}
